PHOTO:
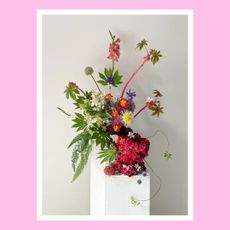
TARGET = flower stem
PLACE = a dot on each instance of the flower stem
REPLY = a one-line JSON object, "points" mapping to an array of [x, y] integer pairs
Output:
{"points": [[81, 90], [112, 66], [163, 134], [131, 77], [143, 108], [95, 82]]}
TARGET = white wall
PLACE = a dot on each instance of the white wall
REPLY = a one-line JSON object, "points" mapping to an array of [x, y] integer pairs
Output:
{"points": [[72, 42]]}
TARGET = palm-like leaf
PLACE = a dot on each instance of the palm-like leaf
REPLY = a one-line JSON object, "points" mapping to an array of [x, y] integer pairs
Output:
{"points": [[107, 155], [155, 55], [142, 44], [157, 110]]}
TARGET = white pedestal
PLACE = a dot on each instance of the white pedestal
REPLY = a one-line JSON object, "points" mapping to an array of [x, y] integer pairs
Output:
{"points": [[110, 195]]}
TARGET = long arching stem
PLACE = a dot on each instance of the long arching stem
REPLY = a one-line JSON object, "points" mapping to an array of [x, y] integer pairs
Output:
{"points": [[131, 77]]}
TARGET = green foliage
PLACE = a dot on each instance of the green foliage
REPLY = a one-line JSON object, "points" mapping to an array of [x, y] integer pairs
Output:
{"points": [[134, 201], [80, 152], [168, 155], [82, 159], [71, 91], [75, 156], [107, 155], [155, 55], [107, 73], [157, 110], [85, 136], [101, 137], [142, 44], [79, 122]]}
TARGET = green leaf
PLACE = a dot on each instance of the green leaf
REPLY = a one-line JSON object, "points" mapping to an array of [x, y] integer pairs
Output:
{"points": [[112, 36], [107, 155], [117, 78], [103, 77], [106, 72], [102, 144], [71, 91], [167, 156], [157, 110], [75, 156], [142, 44], [67, 95], [134, 201], [102, 82], [79, 122], [64, 111], [72, 95], [155, 56], [80, 116], [79, 137]]}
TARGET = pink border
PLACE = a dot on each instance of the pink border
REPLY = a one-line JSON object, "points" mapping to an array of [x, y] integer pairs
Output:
{"points": [[18, 119]]}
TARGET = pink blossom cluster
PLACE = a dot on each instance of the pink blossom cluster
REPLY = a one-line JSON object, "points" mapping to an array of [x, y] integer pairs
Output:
{"points": [[114, 50]]}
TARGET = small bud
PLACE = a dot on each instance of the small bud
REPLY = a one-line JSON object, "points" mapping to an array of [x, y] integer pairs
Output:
{"points": [[88, 70], [72, 84]]}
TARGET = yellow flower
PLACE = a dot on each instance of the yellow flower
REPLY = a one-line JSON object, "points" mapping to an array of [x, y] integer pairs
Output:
{"points": [[127, 118]]}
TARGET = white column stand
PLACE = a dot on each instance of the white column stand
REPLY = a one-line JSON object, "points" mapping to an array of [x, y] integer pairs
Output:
{"points": [[110, 195]]}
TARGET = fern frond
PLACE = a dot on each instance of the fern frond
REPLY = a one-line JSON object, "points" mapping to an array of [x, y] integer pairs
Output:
{"points": [[75, 155], [82, 161]]}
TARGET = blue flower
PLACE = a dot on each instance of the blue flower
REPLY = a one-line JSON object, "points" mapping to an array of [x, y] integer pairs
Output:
{"points": [[131, 94], [110, 79]]}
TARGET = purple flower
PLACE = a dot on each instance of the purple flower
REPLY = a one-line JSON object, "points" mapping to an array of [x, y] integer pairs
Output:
{"points": [[131, 94], [110, 79], [131, 107]]}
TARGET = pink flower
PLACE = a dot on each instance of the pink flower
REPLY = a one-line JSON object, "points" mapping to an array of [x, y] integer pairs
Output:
{"points": [[149, 102], [114, 51], [147, 57]]}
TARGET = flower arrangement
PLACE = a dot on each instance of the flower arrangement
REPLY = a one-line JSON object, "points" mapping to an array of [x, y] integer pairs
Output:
{"points": [[104, 119]]}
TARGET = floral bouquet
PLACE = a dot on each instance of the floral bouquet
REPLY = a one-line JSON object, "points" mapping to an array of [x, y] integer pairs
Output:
{"points": [[104, 119]]}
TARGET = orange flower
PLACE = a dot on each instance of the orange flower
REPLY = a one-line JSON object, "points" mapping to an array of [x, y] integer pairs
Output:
{"points": [[108, 96], [116, 127], [115, 113], [120, 140], [123, 103]]}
